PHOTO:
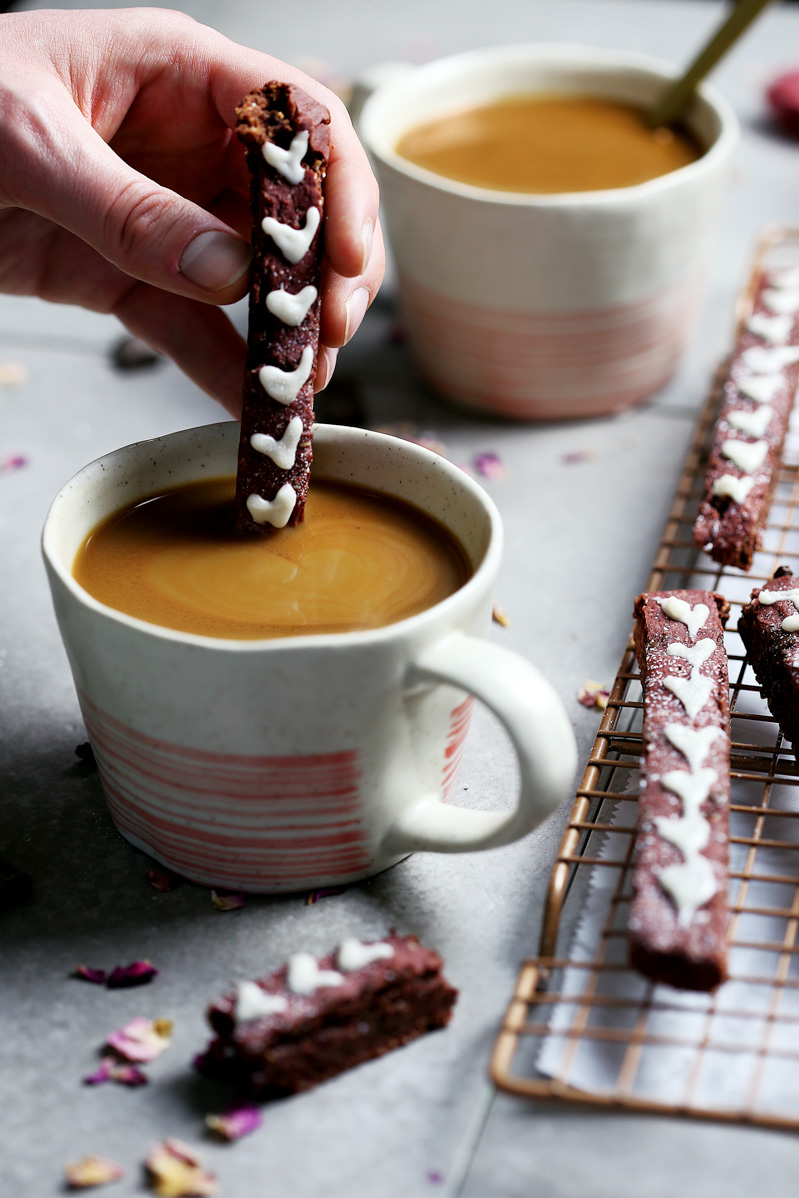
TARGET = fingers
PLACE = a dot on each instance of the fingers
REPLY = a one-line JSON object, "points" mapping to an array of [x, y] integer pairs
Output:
{"points": [[346, 299]]}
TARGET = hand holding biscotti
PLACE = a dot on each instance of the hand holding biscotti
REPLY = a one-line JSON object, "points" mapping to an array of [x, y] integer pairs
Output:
{"points": [[124, 189]]}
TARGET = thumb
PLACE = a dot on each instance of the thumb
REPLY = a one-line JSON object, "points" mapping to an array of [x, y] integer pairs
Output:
{"points": [[148, 231]]}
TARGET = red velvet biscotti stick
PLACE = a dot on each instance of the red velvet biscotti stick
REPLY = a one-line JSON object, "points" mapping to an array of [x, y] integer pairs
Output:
{"points": [[769, 628], [287, 136], [748, 437], [678, 917]]}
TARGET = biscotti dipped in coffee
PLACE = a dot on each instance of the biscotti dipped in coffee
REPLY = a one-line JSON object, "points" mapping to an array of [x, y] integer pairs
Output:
{"points": [[678, 916], [314, 1018], [747, 441], [769, 628], [287, 137]]}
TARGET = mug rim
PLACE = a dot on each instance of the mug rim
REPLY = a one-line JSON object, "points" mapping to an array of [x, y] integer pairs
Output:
{"points": [[566, 54], [330, 434]]}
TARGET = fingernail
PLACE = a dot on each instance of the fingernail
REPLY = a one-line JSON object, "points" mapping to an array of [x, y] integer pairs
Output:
{"points": [[214, 260], [367, 236], [356, 310], [327, 360]]}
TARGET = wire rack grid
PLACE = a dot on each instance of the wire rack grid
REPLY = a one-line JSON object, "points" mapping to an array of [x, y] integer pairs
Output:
{"points": [[582, 1026]]}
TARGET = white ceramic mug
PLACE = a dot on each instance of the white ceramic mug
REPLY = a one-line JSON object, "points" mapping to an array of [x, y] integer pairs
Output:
{"points": [[546, 306], [279, 765]]}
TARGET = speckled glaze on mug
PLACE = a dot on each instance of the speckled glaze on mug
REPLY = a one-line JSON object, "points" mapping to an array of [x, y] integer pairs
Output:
{"points": [[280, 765], [542, 307]]}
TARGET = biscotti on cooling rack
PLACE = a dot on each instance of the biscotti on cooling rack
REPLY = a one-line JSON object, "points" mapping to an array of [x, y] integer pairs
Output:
{"points": [[678, 916], [769, 628], [747, 440]]}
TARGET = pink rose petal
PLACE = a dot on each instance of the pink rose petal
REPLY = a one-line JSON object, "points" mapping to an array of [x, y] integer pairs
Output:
{"points": [[577, 456], [175, 1171], [138, 973], [102, 1073], [235, 1123], [92, 1171], [14, 461], [87, 974], [141, 1040], [489, 465], [593, 694], [326, 892], [500, 617], [224, 901]]}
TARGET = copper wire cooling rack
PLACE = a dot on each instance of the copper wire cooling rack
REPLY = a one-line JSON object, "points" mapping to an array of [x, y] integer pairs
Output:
{"points": [[582, 1026]]}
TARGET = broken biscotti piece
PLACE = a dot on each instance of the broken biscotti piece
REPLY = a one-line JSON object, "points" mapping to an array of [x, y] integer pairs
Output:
{"points": [[678, 916], [769, 628], [287, 137], [315, 1018], [746, 447]]}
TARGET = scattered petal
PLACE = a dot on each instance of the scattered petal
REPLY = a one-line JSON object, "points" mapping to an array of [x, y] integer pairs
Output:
{"points": [[141, 1040], [500, 617], [138, 973], [128, 1075], [92, 1171], [489, 465], [227, 901], [235, 1123], [327, 892], [87, 974], [593, 694], [13, 374], [163, 880], [175, 1172], [436, 1177], [576, 456], [86, 753], [14, 461], [101, 1074]]}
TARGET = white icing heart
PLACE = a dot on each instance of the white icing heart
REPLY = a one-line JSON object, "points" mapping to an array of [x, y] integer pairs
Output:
{"points": [[692, 692], [696, 654], [753, 423], [305, 976], [291, 308], [292, 243], [746, 455], [760, 360], [776, 329], [693, 789], [688, 834], [694, 617], [761, 389], [288, 162], [283, 452], [790, 623], [254, 1003], [781, 299], [786, 276], [353, 954], [285, 385], [736, 489], [693, 743], [689, 885], [273, 511]]}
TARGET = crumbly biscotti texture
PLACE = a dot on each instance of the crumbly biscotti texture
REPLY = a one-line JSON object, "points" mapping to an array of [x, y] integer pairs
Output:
{"points": [[683, 947], [276, 114], [371, 1011], [731, 531], [773, 651]]}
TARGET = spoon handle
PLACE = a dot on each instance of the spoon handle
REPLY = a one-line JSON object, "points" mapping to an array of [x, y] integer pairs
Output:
{"points": [[678, 94]]}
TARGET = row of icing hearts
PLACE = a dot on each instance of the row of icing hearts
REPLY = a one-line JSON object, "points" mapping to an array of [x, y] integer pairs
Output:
{"points": [[284, 385], [781, 298], [692, 882]]}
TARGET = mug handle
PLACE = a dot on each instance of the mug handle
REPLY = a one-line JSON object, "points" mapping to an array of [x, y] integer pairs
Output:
{"points": [[538, 726]]}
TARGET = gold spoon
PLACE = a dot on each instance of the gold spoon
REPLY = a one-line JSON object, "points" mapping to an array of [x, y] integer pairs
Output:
{"points": [[678, 94]]}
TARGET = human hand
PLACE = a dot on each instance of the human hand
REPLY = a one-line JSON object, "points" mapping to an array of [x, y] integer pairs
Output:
{"points": [[123, 188]]}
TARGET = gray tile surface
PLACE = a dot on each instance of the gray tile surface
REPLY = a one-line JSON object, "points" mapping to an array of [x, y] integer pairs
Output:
{"points": [[380, 1130]]}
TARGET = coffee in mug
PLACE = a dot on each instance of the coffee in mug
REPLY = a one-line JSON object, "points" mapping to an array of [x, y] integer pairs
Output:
{"points": [[359, 560]]}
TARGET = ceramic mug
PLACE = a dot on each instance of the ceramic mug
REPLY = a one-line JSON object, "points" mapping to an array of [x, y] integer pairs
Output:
{"points": [[280, 765], [546, 306]]}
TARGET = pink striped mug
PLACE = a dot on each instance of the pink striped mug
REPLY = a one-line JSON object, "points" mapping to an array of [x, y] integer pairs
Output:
{"points": [[542, 307], [280, 765]]}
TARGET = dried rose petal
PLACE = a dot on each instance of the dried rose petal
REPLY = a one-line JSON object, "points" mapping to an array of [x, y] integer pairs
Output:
{"points": [[436, 1177], [128, 1075], [141, 1040], [489, 465], [87, 974], [500, 617], [86, 753], [175, 1172], [102, 1073], [14, 461], [593, 694], [92, 1171], [138, 973], [12, 374], [326, 892], [577, 456], [224, 901], [235, 1123], [163, 880]]}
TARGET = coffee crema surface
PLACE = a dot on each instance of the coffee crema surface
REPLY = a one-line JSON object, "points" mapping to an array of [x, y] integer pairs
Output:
{"points": [[545, 144], [359, 560]]}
